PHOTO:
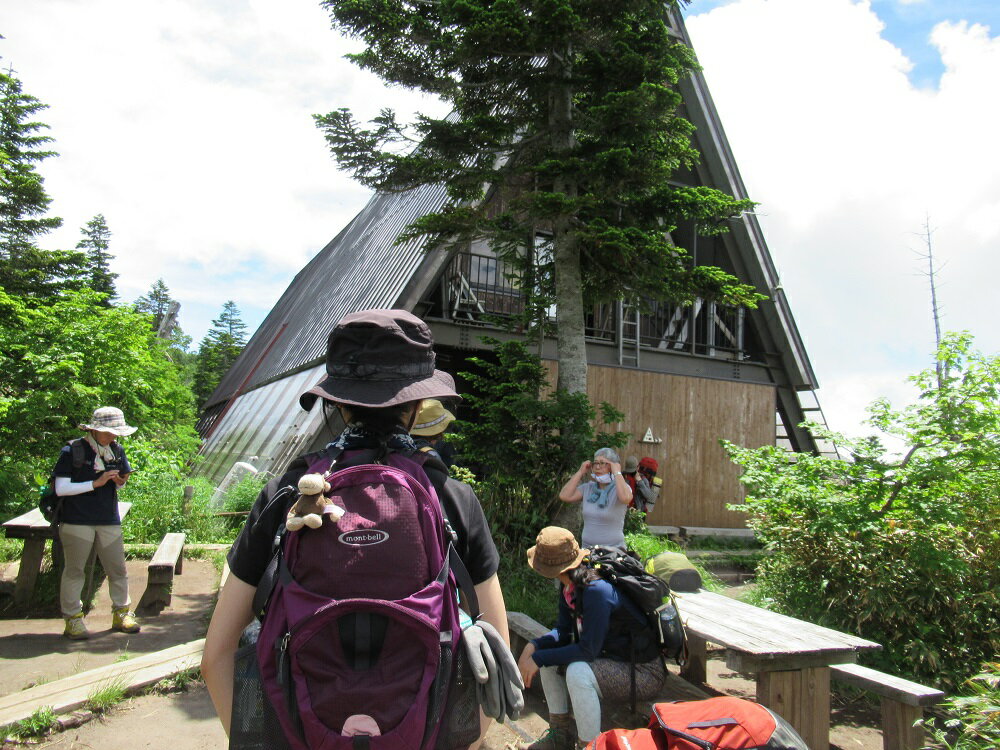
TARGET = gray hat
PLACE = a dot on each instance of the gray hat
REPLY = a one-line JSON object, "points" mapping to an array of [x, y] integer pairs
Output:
{"points": [[109, 419], [380, 358]]}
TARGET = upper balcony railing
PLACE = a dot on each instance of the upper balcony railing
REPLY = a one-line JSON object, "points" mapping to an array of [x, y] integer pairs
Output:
{"points": [[484, 290]]}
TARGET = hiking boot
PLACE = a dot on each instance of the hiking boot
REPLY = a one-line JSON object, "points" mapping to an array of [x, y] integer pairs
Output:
{"points": [[561, 735], [123, 621], [76, 629]]}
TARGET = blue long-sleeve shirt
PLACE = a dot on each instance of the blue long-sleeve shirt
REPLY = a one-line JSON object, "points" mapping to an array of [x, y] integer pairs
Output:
{"points": [[600, 602]]}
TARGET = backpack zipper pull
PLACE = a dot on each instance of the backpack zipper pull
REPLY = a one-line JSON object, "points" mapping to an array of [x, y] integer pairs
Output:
{"points": [[283, 671]]}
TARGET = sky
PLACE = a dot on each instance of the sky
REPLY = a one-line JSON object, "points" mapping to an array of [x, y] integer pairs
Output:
{"points": [[856, 125]]}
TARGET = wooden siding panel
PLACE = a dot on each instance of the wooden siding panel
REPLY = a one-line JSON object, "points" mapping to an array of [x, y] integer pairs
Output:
{"points": [[690, 415]]}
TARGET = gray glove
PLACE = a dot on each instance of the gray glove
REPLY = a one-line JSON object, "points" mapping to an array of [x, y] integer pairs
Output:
{"points": [[500, 687], [484, 668]]}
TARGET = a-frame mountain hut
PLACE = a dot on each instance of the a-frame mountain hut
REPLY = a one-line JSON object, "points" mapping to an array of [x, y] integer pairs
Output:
{"points": [[685, 376]]}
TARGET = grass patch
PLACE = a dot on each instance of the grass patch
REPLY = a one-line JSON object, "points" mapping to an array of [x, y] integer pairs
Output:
{"points": [[179, 682], [105, 696], [10, 549], [37, 725]]}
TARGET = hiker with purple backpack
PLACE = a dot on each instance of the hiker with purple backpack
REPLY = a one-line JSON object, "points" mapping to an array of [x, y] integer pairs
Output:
{"points": [[361, 641]]}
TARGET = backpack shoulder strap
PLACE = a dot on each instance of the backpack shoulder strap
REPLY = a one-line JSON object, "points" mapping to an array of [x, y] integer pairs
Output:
{"points": [[78, 453]]}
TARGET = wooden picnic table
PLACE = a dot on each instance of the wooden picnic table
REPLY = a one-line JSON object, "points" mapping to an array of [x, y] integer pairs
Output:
{"points": [[35, 530], [791, 658]]}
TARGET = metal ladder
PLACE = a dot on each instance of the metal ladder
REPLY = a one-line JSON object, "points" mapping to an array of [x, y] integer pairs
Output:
{"points": [[810, 407], [628, 334]]}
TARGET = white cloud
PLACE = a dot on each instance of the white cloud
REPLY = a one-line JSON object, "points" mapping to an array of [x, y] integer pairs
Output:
{"points": [[189, 125], [848, 159]]}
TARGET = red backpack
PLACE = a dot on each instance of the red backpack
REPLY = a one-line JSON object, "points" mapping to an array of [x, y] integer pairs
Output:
{"points": [[723, 723]]}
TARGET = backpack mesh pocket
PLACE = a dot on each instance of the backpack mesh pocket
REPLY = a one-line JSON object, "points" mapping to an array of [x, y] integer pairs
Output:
{"points": [[254, 724]]}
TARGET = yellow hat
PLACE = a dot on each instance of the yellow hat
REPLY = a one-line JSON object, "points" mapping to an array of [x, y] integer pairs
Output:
{"points": [[433, 419]]}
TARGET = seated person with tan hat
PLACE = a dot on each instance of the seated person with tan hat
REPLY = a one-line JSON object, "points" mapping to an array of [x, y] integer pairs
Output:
{"points": [[428, 430], [586, 659]]}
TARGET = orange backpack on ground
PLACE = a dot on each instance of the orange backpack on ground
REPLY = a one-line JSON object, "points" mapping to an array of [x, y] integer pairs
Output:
{"points": [[723, 723]]}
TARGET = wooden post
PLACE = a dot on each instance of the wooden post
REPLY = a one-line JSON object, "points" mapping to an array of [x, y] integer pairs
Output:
{"points": [[695, 670], [186, 504], [802, 697], [27, 571], [898, 732]]}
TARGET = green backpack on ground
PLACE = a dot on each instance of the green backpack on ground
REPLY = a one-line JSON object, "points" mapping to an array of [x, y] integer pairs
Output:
{"points": [[676, 570]]}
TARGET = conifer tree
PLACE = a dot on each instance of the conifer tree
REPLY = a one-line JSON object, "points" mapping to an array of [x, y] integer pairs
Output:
{"points": [[95, 242], [564, 134], [219, 349], [157, 302], [25, 268]]}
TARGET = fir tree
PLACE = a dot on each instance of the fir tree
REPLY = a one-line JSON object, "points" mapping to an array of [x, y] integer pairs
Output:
{"points": [[564, 132], [25, 268], [95, 242], [219, 349], [157, 303]]}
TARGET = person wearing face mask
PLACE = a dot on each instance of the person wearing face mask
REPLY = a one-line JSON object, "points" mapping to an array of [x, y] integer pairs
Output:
{"points": [[605, 494]]}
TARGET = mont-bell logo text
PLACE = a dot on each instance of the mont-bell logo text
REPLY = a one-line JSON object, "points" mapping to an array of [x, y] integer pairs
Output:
{"points": [[363, 537]]}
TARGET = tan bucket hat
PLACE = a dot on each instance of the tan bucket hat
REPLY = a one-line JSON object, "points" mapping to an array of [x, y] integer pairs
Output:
{"points": [[555, 552]]}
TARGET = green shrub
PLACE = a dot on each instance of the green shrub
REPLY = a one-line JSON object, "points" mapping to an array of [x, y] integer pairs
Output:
{"points": [[974, 715], [527, 439], [902, 551]]}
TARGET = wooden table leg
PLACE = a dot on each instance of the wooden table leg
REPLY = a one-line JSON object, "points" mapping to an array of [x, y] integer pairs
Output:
{"points": [[801, 697], [695, 670], [898, 732], [27, 572]]}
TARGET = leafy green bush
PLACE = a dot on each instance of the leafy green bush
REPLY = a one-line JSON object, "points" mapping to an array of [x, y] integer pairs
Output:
{"points": [[526, 436], [63, 359], [903, 551], [974, 722]]}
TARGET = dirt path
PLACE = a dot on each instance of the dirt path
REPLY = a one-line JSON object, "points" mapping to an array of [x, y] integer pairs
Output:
{"points": [[33, 652]]}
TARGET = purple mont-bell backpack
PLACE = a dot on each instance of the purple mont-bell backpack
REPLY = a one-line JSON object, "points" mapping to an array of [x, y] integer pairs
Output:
{"points": [[360, 645]]}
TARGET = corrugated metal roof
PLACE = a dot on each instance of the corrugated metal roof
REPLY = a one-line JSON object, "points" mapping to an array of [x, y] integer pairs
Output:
{"points": [[360, 268], [265, 427]]}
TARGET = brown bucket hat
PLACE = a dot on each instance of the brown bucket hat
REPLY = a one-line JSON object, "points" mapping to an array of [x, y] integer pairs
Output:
{"points": [[555, 552], [380, 358]]}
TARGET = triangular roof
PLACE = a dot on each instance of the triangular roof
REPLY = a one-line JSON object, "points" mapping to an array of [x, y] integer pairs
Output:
{"points": [[362, 267]]}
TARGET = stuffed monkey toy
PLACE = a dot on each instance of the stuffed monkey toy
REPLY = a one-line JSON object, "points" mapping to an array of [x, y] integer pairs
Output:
{"points": [[311, 506]]}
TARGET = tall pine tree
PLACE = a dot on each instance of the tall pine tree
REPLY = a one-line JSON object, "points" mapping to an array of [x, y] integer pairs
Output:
{"points": [[25, 268], [95, 242], [156, 302], [219, 349], [564, 134]]}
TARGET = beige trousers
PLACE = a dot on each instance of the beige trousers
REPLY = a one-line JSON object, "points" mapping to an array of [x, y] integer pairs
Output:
{"points": [[77, 541]]}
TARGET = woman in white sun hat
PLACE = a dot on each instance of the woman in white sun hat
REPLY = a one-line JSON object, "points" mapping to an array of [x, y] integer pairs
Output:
{"points": [[88, 518]]}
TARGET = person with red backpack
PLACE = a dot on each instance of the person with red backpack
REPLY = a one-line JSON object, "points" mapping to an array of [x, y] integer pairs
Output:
{"points": [[601, 648], [372, 625]]}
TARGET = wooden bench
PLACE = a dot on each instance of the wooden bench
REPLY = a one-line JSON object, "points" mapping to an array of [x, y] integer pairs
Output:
{"points": [[790, 658], [167, 561], [903, 703]]}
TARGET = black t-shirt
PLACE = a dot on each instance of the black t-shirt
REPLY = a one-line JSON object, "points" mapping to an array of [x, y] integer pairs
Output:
{"points": [[253, 548], [99, 507]]}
